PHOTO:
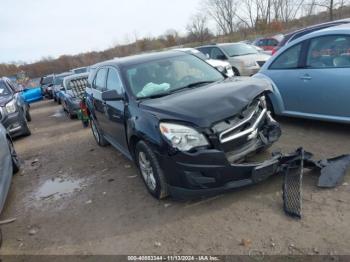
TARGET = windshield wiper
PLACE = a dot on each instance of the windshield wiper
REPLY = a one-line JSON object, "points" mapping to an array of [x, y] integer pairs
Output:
{"points": [[197, 84]]}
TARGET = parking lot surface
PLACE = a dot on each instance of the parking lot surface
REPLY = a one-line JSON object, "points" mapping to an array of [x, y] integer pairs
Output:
{"points": [[73, 197]]}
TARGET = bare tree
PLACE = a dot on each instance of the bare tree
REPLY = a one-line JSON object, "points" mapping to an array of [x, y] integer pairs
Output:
{"points": [[198, 28], [331, 6], [223, 13]]}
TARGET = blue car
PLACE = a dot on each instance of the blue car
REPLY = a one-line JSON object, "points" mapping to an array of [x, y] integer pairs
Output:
{"points": [[31, 95], [311, 76]]}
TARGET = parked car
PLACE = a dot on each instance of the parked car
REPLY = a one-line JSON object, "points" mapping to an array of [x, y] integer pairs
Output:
{"points": [[9, 164], [244, 59], [187, 126], [222, 66], [268, 44], [31, 95], [73, 90], [311, 76], [46, 83], [58, 85], [14, 112], [304, 31]]}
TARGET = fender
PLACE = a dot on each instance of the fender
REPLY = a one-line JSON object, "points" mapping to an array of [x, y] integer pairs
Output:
{"points": [[275, 96]]}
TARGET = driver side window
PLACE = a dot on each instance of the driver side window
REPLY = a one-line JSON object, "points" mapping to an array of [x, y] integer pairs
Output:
{"points": [[216, 53]]}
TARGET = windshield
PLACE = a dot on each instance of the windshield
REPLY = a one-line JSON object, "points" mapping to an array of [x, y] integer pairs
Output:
{"points": [[47, 80], [80, 70], [239, 49], [165, 76], [4, 91]]}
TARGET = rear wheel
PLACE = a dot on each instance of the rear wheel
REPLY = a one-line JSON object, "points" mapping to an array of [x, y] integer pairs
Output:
{"points": [[101, 141], [151, 172], [15, 161]]}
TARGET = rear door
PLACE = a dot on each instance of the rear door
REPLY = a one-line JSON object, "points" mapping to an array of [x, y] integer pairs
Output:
{"points": [[99, 86], [114, 124]]}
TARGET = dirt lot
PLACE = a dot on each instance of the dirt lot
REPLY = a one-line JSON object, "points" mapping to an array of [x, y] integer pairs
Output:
{"points": [[73, 197]]}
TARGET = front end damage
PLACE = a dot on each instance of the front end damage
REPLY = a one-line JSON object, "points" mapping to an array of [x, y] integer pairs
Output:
{"points": [[209, 172]]}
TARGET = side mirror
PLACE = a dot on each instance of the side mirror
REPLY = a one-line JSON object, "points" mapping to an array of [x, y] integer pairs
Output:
{"points": [[111, 95]]}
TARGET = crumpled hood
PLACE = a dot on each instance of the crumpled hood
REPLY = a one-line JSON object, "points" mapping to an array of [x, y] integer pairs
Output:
{"points": [[209, 104], [5, 99], [252, 57]]}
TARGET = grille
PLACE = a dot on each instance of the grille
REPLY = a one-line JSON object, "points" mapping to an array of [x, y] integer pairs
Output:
{"points": [[292, 198], [245, 124], [261, 63]]}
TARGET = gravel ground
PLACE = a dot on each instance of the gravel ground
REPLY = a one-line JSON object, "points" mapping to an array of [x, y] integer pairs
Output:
{"points": [[72, 197]]}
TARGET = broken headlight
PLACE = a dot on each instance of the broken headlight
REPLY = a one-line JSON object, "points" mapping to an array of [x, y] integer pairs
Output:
{"points": [[11, 107], [181, 137]]}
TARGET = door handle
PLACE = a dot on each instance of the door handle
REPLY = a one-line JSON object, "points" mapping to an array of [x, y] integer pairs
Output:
{"points": [[306, 77]]}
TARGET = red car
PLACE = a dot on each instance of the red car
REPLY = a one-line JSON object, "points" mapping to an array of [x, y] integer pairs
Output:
{"points": [[268, 44]]}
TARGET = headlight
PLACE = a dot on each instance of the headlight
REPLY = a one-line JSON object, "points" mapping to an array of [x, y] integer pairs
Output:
{"points": [[249, 63], [221, 69], [182, 137], [11, 107]]}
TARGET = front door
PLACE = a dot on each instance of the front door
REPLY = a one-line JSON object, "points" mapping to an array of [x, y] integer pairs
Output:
{"points": [[114, 123]]}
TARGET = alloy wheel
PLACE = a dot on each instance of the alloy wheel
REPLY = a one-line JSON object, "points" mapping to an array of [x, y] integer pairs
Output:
{"points": [[147, 171]]}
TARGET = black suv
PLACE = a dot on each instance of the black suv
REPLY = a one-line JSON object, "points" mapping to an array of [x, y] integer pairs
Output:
{"points": [[14, 112], [188, 128]]}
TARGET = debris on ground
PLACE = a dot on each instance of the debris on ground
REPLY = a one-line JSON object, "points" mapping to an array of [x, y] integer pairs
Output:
{"points": [[33, 231], [167, 205], [110, 180], [131, 177], [127, 166], [88, 202], [157, 244], [7, 221], [246, 242]]}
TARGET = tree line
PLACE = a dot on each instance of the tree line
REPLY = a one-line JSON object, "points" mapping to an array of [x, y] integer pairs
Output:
{"points": [[215, 20]]}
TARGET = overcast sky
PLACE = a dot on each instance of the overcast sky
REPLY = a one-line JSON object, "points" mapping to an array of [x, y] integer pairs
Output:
{"points": [[32, 29]]}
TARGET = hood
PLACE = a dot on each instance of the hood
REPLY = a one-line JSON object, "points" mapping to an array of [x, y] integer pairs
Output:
{"points": [[5, 99], [209, 104]]}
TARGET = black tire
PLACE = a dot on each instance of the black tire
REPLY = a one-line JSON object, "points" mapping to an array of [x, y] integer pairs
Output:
{"points": [[71, 116], [26, 130], [100, 140], [235, 70], [15, 160], [28, 116], [270, 106], [59, 101], [159, 190]]}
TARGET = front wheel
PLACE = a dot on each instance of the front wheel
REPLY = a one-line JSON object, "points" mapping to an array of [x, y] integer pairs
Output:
{"points": [[28, 116], [151, 172], [15, 161]]}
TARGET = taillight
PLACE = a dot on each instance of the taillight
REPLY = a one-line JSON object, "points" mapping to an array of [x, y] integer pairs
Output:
{"points": [[274, 50]]}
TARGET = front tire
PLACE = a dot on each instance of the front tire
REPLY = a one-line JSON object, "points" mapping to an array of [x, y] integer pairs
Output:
{"points": [[151, 172], [28, 116]]}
